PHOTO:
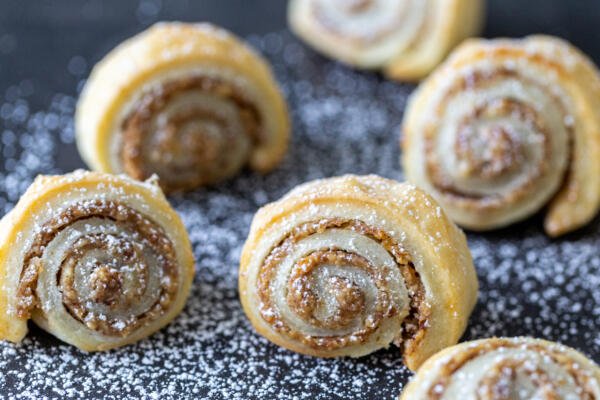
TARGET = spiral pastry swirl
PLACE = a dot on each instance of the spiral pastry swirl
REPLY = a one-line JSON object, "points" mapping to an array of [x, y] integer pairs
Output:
{"points": [[97, 260], [346, 266], [404, 38], [506, 127], [189, 103], [506, 368]]}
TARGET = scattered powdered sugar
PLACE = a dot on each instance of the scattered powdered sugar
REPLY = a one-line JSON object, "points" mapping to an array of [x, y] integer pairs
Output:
{"points": [[344, 122], [29, 140]]}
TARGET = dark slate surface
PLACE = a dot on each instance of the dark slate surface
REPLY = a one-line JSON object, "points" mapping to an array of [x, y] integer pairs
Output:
{"points": [[344, 121]]}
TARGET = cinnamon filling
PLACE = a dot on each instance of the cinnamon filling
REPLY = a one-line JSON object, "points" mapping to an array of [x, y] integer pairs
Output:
{"points": [[347, 306], [487, 147], [498, 381], [189, 144], [356, 6], [348, 297], [354, 9], [493, 151], [119, 268], [106, 285]]}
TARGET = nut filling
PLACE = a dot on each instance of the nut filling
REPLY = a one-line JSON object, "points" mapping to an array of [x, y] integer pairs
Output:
{"points": [[114, 279], [498, 382], [346, 307], [502, 140], [190, 132], [344, 21]]}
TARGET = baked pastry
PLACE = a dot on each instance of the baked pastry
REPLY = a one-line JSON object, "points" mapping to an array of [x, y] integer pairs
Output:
{"points": [[188, 102], [99, 261], [506, 127], [404, 38], [346, 266], [506, 368]]}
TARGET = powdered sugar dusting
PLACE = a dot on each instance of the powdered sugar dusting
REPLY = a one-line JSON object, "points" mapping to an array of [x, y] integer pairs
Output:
{"points": [[344, 122]]}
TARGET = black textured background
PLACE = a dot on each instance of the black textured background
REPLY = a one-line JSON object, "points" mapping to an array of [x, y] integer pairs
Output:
{"points": [[39, 38], [530, 285], [46, 34]]}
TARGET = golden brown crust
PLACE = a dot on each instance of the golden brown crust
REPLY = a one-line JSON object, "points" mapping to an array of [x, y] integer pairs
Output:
{"points": [[494, 368], [518, 118], [348, 265], [198, 106], [99, 261]]}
